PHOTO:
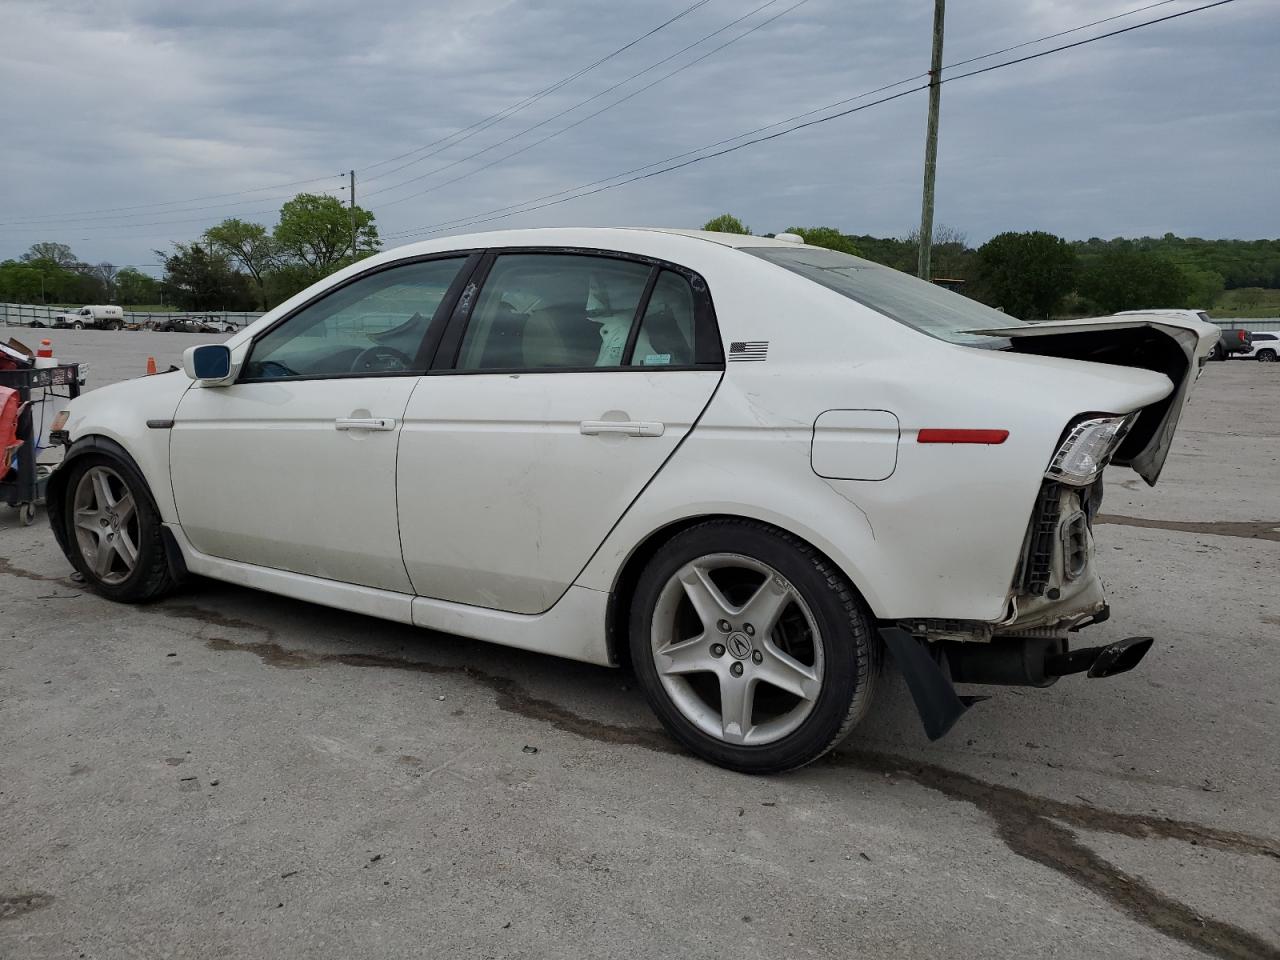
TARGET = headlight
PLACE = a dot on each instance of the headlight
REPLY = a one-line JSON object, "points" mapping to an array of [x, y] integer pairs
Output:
{"points": [[1087, 449]]}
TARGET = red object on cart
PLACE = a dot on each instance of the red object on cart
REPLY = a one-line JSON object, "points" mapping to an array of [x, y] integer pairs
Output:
{"points": [[9, 442]]}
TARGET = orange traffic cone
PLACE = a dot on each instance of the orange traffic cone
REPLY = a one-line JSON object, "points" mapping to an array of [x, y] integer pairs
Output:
{"points": [[151, 366]]}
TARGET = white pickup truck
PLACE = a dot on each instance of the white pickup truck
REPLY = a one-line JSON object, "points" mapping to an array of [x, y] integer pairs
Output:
{"points": [[99, 317]]}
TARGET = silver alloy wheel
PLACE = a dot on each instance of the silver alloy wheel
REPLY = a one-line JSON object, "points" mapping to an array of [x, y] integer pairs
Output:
{"points": [[106, 524], [730, 624]]}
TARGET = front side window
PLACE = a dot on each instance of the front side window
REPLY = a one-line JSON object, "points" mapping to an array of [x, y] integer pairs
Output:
{"points": [[374, 325], [541, 311]]}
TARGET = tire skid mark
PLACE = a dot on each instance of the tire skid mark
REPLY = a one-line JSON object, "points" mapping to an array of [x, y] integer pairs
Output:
{"points": [[1030, 826], [1247, 529]]}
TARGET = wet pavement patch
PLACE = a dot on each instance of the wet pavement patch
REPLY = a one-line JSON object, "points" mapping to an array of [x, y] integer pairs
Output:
{"points": [[1248, 529], [15, 905], [1032, 827]]}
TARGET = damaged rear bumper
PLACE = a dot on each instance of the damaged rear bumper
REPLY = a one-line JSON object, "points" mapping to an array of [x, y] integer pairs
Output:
{"points": [[930, 670]]}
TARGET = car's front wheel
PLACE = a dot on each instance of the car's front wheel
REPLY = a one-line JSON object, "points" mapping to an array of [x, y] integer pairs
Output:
{"points": [[114, 531], [751, 647]]}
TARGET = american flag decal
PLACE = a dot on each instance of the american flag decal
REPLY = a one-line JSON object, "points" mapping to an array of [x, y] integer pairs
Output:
{"points": [[748, 350]]}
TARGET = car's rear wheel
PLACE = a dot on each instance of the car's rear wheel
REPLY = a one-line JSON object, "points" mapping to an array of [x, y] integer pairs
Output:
{"points": [[753, 650], [114, 534], [1266, 356]]}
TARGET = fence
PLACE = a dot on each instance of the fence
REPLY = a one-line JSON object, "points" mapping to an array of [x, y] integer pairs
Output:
{"points": [[27, 314]]}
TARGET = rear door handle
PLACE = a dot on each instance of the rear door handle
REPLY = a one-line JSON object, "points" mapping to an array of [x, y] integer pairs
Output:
{"points": [[364, 423], [628, 428]]}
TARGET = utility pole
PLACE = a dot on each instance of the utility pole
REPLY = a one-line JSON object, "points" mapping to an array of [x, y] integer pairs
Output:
{"points": [[353, 216], [931, 144]]}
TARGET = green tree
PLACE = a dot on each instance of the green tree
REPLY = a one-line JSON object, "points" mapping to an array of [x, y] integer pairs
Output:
{"points": [[20, 282], [1131, 280], [133, 287], [726, 223], [59, 254], [1204, 287], [828, 237], [316, 232], [249, 245], [1027, 274], [197, 280]]}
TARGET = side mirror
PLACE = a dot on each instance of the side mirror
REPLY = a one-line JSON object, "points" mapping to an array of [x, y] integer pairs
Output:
{"points": [[209, 364]]}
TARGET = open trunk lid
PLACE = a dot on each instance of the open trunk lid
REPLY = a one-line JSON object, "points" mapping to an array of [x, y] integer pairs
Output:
{"points": [[1172, 345]]}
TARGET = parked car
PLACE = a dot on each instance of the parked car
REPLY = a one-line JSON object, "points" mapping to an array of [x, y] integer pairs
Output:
{"points": [[746, 466], [1231, 340], [97, 317], [1263, 347], [184, 325]]}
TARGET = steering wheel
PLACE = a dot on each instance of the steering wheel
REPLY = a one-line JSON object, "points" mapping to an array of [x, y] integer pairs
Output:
{"points": [[381, 359]]}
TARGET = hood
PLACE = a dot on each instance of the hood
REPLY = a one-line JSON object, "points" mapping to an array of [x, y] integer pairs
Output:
{"points": [[1173, 345]]}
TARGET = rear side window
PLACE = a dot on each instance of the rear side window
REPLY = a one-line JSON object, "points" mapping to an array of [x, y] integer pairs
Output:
{"points": [[916, 303], [668, 329], [541, 311]]}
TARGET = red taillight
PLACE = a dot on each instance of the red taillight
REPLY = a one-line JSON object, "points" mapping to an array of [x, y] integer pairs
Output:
{"points": [[962, 436], [1240, 334]]}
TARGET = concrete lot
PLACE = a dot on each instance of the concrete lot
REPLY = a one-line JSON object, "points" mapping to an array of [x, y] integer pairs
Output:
{"points": [[231, 774]]}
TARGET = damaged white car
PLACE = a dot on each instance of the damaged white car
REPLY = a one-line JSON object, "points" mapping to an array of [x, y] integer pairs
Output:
{"points": [[745, 466]]}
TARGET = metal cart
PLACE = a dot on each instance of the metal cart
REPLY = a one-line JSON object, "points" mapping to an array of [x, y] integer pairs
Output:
{"points": [[23, 487]]}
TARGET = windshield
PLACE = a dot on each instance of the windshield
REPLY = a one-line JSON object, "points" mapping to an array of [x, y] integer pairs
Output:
{"points": [[899, 296]]}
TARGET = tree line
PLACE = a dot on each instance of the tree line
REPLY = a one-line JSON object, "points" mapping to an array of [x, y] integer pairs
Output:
{"points": [[239, 265], [236, 265]]}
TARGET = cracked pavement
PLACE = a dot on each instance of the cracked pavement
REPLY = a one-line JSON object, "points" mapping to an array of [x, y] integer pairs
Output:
{"points": [[230, 773]]}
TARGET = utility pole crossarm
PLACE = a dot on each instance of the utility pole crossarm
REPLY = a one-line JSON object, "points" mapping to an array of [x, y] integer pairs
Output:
{"points": [[924, 270]]}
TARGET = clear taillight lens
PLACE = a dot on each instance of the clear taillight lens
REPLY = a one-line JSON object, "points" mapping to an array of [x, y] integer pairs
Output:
{"points": [[1087, 449]]}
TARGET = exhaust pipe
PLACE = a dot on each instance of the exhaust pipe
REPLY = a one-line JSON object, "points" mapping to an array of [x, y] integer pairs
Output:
{"points": [[1040, 661], [1119, 657]]}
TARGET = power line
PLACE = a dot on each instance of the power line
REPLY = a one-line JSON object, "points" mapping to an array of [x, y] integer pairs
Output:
{"points": [[590, 116], [502, 114], [35, 221], [580, 103], [455, 224], [515, 108], [800, 116]]}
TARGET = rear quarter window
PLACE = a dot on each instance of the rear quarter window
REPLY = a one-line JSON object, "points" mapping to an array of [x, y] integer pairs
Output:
{"points": [[909, 300]]}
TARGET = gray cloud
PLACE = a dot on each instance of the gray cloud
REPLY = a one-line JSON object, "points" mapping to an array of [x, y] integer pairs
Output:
{"points": [[114, 104]]}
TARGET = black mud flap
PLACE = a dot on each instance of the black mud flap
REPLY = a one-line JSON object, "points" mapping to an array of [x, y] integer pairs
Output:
{"points": [[935, 697]]}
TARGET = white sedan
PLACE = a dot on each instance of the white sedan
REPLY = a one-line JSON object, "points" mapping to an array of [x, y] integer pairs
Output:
{"points": [[745, 466]]}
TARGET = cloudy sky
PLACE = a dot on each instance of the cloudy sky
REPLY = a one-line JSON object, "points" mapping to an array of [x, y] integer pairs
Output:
{"points": [[114, 109]]}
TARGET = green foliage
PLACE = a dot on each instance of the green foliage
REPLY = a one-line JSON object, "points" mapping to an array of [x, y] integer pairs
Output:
{"points": [[1240, 263], [134, 287], [197, 280], [726, 223], [249, 245], [58, 254], [316, 232], [1129, 280], [828, 237], [1026, 274]]}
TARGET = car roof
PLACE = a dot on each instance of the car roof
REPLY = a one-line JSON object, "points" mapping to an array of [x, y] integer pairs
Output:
{"points": [[604, 238]]}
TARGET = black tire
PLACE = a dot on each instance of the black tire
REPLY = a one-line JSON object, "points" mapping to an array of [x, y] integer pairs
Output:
{"points": [[1217, 353], [1266, 356], [850, 659], [151, 576], [77, 325]]}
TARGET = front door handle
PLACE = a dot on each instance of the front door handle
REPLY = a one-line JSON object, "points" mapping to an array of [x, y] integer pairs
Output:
{"points": [[628, 428], [364, 423]]}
